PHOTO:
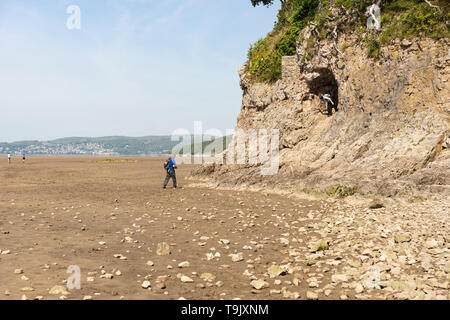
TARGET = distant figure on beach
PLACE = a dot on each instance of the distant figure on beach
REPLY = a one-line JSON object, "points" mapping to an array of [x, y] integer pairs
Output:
{"points": [[23, 158], [9, 157], [170, 166]]}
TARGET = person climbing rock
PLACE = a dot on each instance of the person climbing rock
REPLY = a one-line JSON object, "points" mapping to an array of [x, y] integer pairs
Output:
{"points": [[330, 104]]}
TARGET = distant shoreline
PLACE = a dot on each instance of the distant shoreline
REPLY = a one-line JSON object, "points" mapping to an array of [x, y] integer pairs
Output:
{"points": [[81, 155]]}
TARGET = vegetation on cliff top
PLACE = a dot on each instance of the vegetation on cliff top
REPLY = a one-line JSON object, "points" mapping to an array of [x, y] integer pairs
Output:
{"points": [[399, 19], [265, 55]]}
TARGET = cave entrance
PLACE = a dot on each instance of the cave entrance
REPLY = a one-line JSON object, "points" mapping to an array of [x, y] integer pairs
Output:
{"points": [[325, 83]]}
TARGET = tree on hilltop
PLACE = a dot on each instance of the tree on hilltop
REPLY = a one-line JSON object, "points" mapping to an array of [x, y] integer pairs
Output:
{"points": [[263, 2]]}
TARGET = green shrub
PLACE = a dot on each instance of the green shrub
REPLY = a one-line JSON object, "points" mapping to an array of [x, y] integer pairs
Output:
{"points": [[302, 10], [373, 47], [286, 44], [265, 64], [413, 18], [260, 44], [341, 191], [324, 245], [421, 19], [399, 19], [265, 55]]}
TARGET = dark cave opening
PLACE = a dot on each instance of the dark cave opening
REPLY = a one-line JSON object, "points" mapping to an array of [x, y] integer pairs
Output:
{"points": [[325, 83]]}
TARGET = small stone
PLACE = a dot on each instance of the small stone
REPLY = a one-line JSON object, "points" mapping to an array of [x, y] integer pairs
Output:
{"points": [[275, 271], [186, 279], [402, 237], [208, 276], [160, 286], [27, 289], [359, 288], [311, 295], [339, 278], [150, 263], [146, 284], [184, 264], [87, 298], [396, 271], [275, 291], [237, 257], [406, 43], [259, 284], [18, 271], [58, 290], [430, 244]]}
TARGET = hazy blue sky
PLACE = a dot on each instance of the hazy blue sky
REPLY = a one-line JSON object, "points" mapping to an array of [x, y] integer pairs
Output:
{"points": [[136, 67]]}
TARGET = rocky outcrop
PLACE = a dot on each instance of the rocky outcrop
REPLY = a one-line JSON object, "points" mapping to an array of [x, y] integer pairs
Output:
{"points": [[390, 134]]}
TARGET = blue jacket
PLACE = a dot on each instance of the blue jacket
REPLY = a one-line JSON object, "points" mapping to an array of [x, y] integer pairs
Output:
{"points": [[171, 164]]}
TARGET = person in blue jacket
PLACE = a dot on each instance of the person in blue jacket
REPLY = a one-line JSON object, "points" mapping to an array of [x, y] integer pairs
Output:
{"points": [[170, 166]]}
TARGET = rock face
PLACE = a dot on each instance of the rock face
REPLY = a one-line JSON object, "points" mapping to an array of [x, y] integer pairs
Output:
{"points": [[389, 135]]}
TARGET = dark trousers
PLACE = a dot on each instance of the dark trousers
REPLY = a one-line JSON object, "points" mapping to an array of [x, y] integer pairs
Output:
{"points": [[170, 174], [330, 108]]}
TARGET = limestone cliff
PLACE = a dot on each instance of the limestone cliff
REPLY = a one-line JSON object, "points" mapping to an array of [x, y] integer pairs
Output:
{"points": [[390, 134]]}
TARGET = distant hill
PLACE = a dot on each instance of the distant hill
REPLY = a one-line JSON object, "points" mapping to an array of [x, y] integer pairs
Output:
{"points": [[116, 145], [201, 146], [108, 146]]}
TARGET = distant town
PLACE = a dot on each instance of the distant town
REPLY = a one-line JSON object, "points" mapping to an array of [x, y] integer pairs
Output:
{"points": [[59, 149], [106, 146]]}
